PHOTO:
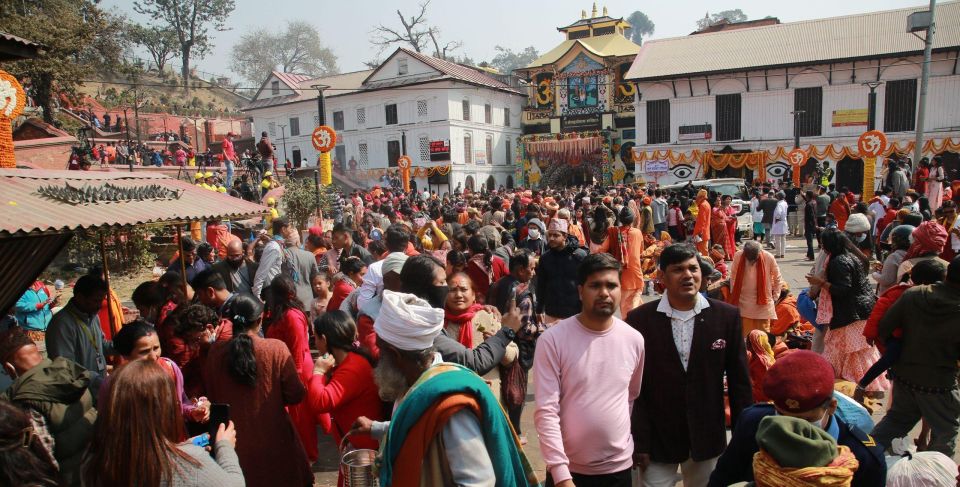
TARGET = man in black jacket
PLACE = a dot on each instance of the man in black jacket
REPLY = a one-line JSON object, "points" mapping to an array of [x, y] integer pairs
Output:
{"points": [[237, 272], [557, 294], [691, 343]]}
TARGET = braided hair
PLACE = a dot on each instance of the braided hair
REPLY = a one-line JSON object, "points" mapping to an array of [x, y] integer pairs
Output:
{"points": [[246, 317]]}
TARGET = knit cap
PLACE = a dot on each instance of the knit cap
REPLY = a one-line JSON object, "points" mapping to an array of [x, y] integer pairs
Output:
{"points": [[795, 443]]}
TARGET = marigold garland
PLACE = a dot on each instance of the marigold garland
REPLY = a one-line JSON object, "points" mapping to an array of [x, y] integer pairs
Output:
{"points": [[12, 101]]}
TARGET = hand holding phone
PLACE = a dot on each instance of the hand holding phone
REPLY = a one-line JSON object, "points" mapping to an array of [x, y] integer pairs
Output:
{"points": [[219, 415]]}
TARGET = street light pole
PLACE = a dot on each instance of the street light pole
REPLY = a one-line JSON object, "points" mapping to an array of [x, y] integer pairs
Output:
{"points": [[872, 104], [796, 127], [321, 110], [924, 81], [283, 140]]}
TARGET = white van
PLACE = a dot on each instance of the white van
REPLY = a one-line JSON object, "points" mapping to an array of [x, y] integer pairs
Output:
{"points": [[734, 187]]}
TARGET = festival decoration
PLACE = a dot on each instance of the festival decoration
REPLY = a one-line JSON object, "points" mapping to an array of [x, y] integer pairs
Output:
{"points": [[797, 158], [326, 168], [404, 163], [324, 138], [870, 144], [12, 101]]}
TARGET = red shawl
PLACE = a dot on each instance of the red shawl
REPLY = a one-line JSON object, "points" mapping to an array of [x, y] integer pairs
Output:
{"points": [[465, 320], [763, 290]]}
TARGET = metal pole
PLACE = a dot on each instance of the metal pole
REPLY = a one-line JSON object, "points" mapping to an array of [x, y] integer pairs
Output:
{"points": [[283, 140], [872, 108], [316, 189], [183, 265], [924, 80]]}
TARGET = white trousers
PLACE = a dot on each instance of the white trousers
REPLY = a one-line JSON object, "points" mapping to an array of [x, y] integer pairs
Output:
{"points": [[694, 474], [780, 244]]}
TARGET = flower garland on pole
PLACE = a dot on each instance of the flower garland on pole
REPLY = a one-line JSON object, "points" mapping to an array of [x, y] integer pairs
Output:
{"points": [[12, 101]]}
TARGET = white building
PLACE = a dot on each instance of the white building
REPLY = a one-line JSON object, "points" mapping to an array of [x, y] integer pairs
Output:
{"points": [[733, 92], [443, 115]]}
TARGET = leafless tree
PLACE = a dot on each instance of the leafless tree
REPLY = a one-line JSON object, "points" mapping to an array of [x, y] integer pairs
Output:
{"points": [[414, 32]]}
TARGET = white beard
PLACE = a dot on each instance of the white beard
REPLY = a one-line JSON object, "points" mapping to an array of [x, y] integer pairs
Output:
{"points": [[390, 381]]}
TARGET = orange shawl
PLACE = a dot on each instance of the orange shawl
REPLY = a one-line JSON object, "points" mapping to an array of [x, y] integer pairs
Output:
{"points": [[768, 473], [409, 463], [763, 290]]}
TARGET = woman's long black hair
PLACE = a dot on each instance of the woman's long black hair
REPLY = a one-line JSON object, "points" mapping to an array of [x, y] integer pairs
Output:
{"points": [[282, 298], [341, 333], [478, 245], [246, 316]]}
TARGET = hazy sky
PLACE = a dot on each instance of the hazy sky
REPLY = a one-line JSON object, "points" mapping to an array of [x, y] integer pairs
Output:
{"points": [[345, 25]]}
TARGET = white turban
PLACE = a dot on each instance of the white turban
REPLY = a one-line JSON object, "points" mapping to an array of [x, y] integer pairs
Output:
{"points": [[408, 322]]}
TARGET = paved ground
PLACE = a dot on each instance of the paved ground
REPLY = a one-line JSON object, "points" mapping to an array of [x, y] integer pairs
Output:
{"points": [[793, 268]]}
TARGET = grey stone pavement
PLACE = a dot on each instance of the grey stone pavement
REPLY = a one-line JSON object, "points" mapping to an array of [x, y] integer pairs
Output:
{"points": [[793, 269]]}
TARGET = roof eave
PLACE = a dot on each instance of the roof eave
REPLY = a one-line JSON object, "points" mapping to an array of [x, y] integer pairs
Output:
{"points": [[787, 65]]}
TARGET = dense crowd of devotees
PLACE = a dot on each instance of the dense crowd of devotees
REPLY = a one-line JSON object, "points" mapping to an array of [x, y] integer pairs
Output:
{"points": [[659, 340]]}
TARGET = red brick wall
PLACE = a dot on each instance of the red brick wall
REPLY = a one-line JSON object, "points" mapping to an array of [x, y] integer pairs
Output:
{"points": [[51, 153]]}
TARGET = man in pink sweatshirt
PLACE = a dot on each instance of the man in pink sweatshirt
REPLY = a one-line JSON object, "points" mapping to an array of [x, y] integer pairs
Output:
{"points": [[587, 372]]}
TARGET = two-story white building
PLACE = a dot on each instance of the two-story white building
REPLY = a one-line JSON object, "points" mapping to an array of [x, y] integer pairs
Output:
{"points": [[729, 103], [458, 124]]}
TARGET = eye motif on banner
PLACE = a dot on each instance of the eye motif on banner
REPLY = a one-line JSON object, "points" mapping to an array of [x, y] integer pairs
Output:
{"points": [[683, 171], [777, 170]]}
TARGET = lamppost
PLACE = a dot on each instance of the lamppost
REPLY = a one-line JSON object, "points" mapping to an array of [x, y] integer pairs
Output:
{"points": [[916, 22], [322, 118], [283, 140], [872, 104], [796, 127]]}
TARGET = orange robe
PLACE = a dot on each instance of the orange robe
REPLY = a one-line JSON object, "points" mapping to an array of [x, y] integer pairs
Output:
{"points": [[702, 227]]}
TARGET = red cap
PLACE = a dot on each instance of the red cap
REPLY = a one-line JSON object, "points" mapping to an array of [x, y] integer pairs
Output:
{"points": [[799, 381], [316, 230]]}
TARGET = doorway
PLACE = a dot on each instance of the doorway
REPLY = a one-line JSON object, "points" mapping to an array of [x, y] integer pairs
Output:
{"points": [[510, 182], [468, 183], [491, 183], [850, 174]]}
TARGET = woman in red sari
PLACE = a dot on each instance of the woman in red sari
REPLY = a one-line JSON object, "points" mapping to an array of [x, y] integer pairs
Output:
{"points": [[287, 322], [760, 356], [719, 232]]}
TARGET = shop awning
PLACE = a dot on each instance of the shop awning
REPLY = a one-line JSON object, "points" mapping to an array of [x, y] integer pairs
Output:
{"points": [[42, 210]]}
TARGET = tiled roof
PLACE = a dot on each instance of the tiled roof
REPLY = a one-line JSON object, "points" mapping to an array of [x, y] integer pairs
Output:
{"points": [[603, 46], [26, 212], [340, 84], [859, 36], [458, 72], [595, 20]]}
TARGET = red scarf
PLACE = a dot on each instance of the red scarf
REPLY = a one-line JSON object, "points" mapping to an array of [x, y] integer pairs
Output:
{"points": [[763, 290], [465, 320]]}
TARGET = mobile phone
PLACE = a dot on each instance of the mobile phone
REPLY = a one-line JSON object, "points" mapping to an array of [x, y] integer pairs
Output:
{"points": [[219, 414]]}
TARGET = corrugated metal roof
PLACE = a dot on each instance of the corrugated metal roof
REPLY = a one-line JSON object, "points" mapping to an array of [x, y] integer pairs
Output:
{"points": [[340, 84], [459, 72], [26, 212], [603, 46], [12, 38], [22, 259], [858, 36]]}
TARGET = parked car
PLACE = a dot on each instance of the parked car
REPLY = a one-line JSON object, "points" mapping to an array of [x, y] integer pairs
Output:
{"points": [[735, 187]]}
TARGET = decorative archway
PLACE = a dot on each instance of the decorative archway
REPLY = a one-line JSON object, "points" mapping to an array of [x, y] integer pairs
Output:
{"points": [[491, 183], [510, 181], [468, 183], [849, 174]]}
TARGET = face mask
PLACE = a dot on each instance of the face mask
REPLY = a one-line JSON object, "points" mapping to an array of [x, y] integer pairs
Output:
{"points": [[437, 296], [534, 234], [858, 238]]}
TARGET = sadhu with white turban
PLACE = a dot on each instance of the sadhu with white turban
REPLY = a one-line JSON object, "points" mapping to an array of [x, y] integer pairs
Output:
{"points": [[447, 427]]}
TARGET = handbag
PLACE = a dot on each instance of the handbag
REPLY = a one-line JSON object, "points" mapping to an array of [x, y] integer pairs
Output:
{"points": [[513, 383]]}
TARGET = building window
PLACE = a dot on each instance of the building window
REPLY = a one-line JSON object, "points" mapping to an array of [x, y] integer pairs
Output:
{"points": [[363, 154], [487, 114], [466, 110], [467, 149], [393, 153], [509, 152], [658, 121], [338, 120], [900, 105], [340, 154], [391, 110], [489, 149], [401, 66], [272, 129], [294, 126], [422, 108], [274, 87], [506, 117], [809, 101], [361, 116], [728, 117], [424, 149]]}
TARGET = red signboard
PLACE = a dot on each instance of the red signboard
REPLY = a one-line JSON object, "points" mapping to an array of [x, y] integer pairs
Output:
{"points": [[440, 150]]}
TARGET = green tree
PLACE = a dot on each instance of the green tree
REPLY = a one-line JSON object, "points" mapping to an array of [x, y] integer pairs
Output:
{"points": [[642, 26], [191, 21], [299, 201], [729, 16], [297, 49], [506, 60], [79, 39], [162, 44]]}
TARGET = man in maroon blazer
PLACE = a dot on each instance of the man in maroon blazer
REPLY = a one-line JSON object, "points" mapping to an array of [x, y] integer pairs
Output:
{"points": [[691, 343]]}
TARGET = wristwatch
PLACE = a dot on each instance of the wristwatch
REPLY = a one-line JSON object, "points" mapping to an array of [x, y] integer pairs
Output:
{"points": [[507, 332]]}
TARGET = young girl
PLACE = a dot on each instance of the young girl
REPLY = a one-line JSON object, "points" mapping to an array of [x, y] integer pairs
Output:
{"points": [[321, 295]]}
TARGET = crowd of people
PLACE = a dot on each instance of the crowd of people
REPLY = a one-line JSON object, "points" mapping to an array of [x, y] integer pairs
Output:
{"points": [[411, 323]]}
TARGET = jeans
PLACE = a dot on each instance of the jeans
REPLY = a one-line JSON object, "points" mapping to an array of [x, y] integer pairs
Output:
{"points": [[940, 411], [616, 479], [809, 234], [695, 474], [659, 228], [229, 173]]}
